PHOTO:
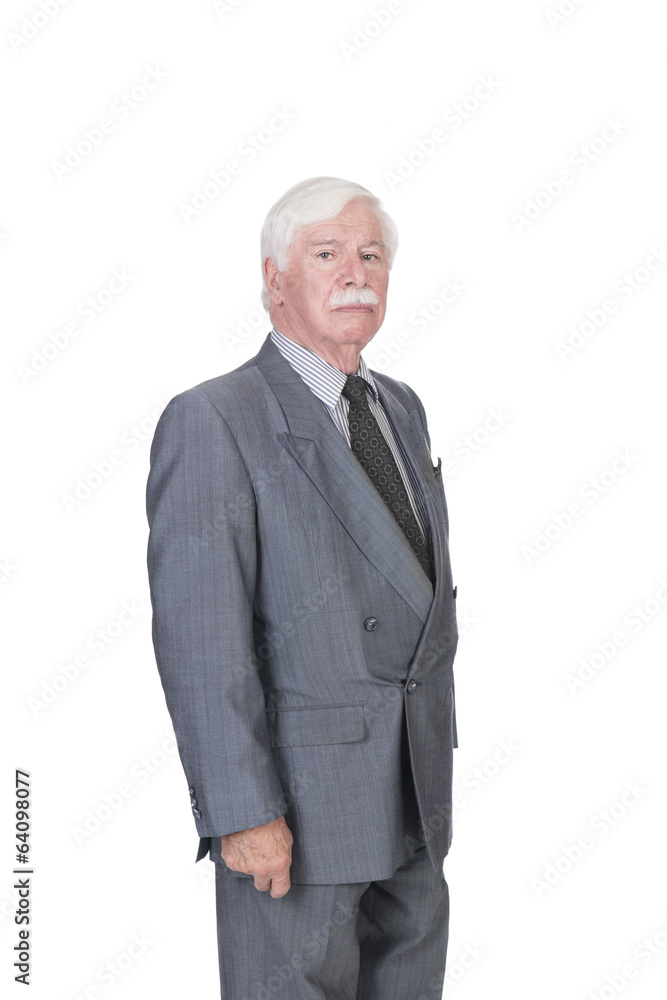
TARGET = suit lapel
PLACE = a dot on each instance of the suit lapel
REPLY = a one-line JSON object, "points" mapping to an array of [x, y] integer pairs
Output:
{"points": [[412, 434], [323, 454]]}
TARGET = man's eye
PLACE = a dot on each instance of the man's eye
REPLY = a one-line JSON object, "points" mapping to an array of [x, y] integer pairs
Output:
{"points": [[325, 253], [371, 256]]}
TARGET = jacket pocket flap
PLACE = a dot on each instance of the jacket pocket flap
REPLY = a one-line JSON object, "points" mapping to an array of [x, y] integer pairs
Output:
{"points": [[303, 727]]}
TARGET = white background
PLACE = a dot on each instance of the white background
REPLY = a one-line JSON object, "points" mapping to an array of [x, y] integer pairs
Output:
{"points": [[526, 921]]}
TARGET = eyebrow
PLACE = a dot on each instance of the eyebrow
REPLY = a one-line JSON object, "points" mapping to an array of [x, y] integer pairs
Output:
{"points": [[337, 243]]}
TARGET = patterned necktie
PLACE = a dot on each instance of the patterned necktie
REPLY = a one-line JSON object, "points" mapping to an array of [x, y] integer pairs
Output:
{"points": [[371, 448]]}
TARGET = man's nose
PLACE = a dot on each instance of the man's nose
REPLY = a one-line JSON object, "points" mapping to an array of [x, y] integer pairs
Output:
{"points": [[353, 272]]}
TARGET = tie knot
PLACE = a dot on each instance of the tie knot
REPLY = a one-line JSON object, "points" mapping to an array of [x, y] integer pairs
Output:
{"points": [[355, 388]]}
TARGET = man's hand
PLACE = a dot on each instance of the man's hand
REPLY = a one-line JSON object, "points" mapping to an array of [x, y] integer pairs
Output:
{"points": [[264, 852]]}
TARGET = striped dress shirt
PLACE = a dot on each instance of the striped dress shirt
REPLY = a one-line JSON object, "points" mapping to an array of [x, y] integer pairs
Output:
{"points": [[326, 382]]}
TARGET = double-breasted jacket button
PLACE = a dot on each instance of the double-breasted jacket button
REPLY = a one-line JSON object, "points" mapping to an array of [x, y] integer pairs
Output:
{"points": [[412, 686], [370, 624]]}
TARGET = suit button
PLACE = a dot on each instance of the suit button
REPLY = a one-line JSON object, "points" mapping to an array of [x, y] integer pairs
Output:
{"points": [[370, 624], [197, 813], [454, 592], [191, 789], [193, 801], [412, 686]]}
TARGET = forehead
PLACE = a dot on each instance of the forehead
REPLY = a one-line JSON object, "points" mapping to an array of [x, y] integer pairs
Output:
{"points": [[357, 223]]}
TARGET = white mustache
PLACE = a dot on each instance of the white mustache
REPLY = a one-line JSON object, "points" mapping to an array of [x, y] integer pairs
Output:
{"points": [[353, 297]]}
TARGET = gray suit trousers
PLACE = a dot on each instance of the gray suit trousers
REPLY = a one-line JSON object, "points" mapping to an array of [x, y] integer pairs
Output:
{"points": [[382, 940]]}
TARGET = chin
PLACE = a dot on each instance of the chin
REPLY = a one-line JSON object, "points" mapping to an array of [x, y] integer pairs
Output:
{"points": [[355, 335], [363, 324]]}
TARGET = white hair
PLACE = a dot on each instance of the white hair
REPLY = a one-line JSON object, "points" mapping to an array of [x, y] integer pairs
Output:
{"points": [[315, 200]]}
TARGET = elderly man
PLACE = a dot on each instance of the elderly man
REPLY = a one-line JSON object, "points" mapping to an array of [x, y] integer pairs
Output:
{"points": [[305, 629]]}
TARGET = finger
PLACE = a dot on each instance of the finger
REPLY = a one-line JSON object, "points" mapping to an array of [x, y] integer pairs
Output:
{"points": [[280, 885], [262, 883]]}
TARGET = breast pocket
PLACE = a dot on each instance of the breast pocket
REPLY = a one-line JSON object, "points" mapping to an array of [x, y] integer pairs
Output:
{"points": [[305, 727]]}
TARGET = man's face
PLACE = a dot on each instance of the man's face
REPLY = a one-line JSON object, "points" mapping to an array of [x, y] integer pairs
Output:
{"points": [[329, 264]]}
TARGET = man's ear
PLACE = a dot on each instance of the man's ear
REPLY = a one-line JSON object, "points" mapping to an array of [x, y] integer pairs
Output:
{"points": [[272, 278]]}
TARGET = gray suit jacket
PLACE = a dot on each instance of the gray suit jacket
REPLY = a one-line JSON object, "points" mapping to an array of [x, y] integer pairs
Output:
{"points": [[292, 623]]}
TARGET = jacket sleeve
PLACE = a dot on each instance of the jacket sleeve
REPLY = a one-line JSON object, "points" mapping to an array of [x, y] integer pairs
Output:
{"points": [[202, 566]]}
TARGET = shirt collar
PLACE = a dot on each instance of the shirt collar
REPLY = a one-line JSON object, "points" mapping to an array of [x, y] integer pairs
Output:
{"points": [[322, 378]]}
